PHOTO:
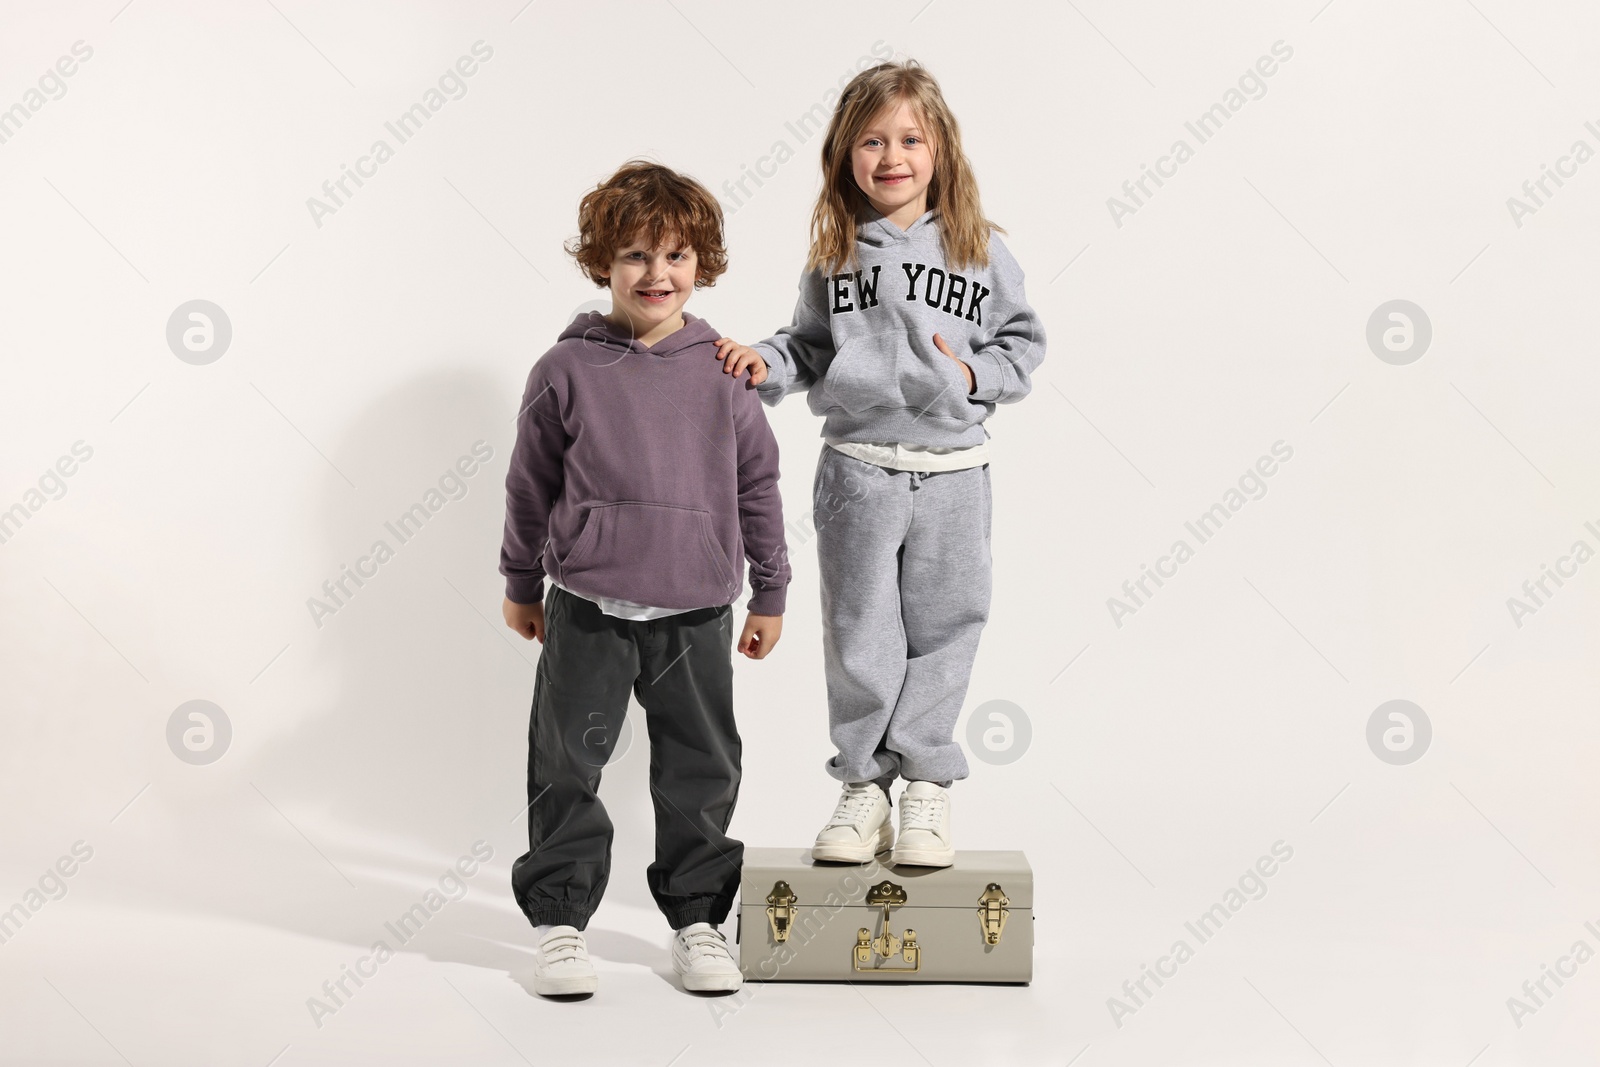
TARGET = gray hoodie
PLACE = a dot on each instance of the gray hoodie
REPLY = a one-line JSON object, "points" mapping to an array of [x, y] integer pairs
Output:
{"points": [[862, 341]]}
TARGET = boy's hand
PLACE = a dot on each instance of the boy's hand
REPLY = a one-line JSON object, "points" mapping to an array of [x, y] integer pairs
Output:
{"points": [[972, 381], [736, 357], [761, 633], [526, 619]]}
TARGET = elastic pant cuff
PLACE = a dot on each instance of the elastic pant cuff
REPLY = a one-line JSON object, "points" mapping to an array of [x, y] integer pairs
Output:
{"points": [[558, 917], [702, 911]]}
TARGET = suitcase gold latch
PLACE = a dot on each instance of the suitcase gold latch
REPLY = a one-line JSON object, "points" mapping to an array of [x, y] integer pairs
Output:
{"points": [[992, 913], [886, 945], [780, 911]]}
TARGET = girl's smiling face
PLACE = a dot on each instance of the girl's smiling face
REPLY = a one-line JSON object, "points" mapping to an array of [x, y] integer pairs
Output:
{"points": [[892, 163]]}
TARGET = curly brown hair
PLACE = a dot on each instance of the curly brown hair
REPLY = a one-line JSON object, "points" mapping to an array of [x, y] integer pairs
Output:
{"points": [[645, 199]]}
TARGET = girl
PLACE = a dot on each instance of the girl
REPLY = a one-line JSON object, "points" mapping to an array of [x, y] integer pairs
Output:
{"points": [[911, 326]]}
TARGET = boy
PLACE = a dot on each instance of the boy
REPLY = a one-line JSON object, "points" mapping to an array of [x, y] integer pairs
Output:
{"points": [[640, 473]]}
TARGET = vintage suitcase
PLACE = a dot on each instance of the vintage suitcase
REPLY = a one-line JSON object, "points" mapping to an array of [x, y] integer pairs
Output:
{"points": [[800, 920]]}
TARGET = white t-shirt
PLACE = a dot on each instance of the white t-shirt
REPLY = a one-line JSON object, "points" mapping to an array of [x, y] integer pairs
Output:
{"points": [[913, 457], [624, 609]]}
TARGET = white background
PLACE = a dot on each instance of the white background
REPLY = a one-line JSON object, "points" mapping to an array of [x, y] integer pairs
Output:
{"points": [[1168, 753]]}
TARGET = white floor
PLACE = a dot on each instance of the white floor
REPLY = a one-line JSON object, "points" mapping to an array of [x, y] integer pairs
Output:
{"points": [[208, 945]]}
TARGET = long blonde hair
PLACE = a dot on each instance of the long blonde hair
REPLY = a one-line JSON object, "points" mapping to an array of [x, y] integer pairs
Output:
{"points": [[963, 231]]}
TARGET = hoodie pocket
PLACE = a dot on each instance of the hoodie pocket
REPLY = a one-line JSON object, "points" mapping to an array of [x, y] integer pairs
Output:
{"points": [[858, 378], [928, 383], [662, 555], [936, 386]]}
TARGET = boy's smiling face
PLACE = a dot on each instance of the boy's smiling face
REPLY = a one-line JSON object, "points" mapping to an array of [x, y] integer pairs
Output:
{"points": [[892, 163], [649, 287]]}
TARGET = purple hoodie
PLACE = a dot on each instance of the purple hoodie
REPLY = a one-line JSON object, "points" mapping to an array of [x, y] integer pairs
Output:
{"points": [[643, 473]]}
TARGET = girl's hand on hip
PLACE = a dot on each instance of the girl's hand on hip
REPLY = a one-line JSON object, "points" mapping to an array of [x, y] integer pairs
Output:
{"points": [[972, 382], [737, 357]]}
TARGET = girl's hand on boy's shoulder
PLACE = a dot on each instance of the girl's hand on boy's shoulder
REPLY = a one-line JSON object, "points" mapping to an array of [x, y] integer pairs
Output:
{"points": [[761, 633], [526, 619], [972, 381], [737, 357]]}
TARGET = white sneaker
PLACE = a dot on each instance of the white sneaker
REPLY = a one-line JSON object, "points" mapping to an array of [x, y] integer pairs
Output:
{"points": [[700, 956], [924, 826], [860, 827], [563, 967]]}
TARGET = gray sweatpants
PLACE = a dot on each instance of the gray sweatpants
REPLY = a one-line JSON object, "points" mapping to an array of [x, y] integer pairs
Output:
{"points": [[905, 574]]}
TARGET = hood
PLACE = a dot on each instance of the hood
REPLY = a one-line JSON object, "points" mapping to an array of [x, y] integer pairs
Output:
{"points": [[593, 328], [877, 231]]}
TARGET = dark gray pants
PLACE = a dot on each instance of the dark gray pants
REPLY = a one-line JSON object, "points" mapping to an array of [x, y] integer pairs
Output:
{"points": [[681, 669]]}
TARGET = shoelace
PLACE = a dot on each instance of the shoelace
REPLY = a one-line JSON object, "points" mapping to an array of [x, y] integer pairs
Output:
{"points": [[564, 947], [922, 813], [703, 943], [853, 809]]}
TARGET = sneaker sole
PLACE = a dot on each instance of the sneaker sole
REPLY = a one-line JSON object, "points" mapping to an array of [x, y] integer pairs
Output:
{"points": [[712, 983], [561, 987], [922, 858], [857, 853]]}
